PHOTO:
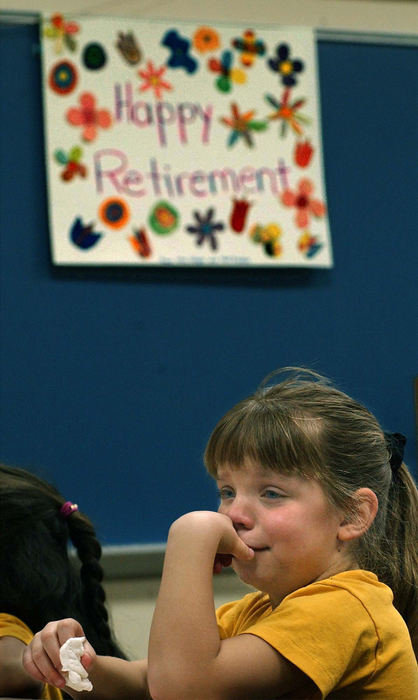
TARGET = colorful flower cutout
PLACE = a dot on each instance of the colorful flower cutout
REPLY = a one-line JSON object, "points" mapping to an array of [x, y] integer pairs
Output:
{"points": [[242, 125], [228, 74], [63, 77], [206, 39], [287, 113], [114, 212], [268, 236], [205, 229], [153, 78], [88, 117], [82, 235], [180, 47], [286, 67], [250, 47], [303, 202], [62, 33], [309, 245], [164, 218], [71, 160]]}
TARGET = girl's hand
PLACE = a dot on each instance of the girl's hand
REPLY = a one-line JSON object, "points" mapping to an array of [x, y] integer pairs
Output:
{"points": [[41, 658], [215, 530], [230, 542], [222, 561]]}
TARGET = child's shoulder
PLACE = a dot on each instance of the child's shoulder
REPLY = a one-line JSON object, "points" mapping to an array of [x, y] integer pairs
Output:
{"points": [[354, 599], [357, 587], [354, 580]]}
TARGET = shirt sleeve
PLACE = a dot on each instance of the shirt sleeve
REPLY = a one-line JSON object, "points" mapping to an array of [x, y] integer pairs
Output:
{"points": [[323, 646], [11, 626]]}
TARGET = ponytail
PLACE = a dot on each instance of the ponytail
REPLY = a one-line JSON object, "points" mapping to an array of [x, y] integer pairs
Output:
{"points": [[401, 537], [39, 580]]}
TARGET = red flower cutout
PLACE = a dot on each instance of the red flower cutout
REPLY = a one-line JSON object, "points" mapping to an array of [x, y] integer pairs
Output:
{"points": [[89, 117], [305, 205]]}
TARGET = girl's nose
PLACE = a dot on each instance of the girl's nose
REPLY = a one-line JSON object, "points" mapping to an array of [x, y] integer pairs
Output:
{"points": [[240, 513]]}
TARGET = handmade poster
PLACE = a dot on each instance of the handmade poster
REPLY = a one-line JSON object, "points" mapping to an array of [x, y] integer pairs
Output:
{"points": [[172, 143]]}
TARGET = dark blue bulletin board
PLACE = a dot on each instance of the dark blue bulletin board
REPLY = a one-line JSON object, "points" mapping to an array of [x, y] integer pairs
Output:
{"points": [[112, 379]]}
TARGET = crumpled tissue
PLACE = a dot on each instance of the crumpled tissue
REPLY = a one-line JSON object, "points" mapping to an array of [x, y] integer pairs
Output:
{"points": [[75, 674]]}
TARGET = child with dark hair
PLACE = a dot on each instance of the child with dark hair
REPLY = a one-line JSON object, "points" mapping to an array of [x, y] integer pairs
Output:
{"points": [[318, 513], [39, 580]]}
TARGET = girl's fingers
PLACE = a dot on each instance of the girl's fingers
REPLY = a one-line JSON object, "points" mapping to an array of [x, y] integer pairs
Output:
{"points": [[41, 658], [242, 551], [38, 664], [89, 655], [65, 629], [230, 542], [221, 561]]}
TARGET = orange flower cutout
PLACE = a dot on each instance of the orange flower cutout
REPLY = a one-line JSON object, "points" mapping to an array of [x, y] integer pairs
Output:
{"points": [[114, 212], [206, 39], [303, 202]]}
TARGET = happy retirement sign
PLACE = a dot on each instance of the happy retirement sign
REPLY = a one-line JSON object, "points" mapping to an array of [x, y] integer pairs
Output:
{"points": [[181, 144]]}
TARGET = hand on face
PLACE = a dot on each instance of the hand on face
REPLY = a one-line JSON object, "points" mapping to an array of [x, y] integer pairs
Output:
{"points": [[230, 542], [216, 528], [41, 657]]}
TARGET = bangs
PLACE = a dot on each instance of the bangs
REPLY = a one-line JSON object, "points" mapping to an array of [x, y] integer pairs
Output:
{"points": [[269, 435]]}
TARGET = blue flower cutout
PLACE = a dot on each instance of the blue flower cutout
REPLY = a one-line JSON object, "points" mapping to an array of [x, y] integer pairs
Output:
{"points": [[285, 66], [205, 228], [82, 235], [179, 52]]}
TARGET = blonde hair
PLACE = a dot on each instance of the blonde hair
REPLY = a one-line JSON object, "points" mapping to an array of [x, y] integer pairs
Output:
{"points": [[306, 426]]}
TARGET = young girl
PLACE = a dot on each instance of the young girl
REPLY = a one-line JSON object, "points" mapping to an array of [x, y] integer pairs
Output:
{"points": [[318, 513], [38, 581]]}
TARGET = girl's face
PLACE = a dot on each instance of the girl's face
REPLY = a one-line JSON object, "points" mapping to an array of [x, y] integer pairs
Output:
{"points": [[289, 523]]}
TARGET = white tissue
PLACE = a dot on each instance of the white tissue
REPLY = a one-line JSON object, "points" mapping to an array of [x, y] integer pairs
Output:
{"points": [[75, 674]]}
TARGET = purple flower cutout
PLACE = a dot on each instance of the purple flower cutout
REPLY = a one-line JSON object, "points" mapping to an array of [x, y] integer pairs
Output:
{"points": [[205, 228], [285, 66], [180, 47]]}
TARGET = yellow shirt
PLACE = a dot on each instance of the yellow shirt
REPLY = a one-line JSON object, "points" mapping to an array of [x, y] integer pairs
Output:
{"points": [[11, 626], [342, 632]]}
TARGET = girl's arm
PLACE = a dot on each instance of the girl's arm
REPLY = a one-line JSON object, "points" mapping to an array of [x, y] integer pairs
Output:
{"points": [[112, 678], [14, 681], [186, 657]]}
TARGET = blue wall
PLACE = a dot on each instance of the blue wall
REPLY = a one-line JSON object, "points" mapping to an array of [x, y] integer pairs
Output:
{"points": [[112, 379]]}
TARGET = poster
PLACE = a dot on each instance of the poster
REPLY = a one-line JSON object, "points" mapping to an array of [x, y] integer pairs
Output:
{"points": [[173, 143]]}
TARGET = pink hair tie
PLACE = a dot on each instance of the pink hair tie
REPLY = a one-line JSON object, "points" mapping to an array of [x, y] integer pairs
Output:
{"points": [[68, 508]]}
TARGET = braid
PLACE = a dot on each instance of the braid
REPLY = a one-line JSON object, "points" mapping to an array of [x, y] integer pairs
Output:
{"points": [[93, 596]]}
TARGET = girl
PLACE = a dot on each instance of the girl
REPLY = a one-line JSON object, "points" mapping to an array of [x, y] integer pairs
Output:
{"points": [[39, 582], [318, 513]]}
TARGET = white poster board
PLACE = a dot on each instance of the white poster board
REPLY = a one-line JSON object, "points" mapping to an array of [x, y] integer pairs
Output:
{"points": [[178, 144]]}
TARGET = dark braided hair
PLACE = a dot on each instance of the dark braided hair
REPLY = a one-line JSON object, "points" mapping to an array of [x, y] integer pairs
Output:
{"points": [[40, 580]]}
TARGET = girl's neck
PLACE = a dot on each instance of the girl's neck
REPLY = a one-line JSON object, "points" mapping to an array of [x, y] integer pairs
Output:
{"points": [[339, 568]]}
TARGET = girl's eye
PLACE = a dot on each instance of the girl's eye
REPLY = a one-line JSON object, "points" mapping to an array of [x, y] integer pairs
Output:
{"points": [[272, 494], [225, 493]]}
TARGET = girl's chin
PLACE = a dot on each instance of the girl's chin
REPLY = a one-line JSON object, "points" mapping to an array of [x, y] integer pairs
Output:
{"points": [[243, 571]]}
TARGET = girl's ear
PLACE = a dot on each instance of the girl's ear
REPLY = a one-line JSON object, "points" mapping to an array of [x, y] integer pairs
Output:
{"points": [[366, 509]]}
